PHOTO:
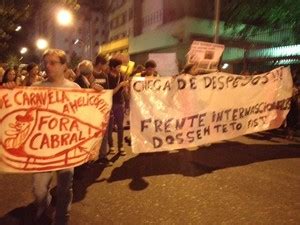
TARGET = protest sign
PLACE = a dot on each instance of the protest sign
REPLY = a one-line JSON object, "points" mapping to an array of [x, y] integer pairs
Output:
{"points": [[46, 129], [205, 55], [186, 111]]}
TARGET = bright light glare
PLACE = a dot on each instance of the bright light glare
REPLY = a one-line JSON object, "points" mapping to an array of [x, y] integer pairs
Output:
{"points": [[41, 43], [23, 50], [64, 17], [225, 66], [18, 28]]}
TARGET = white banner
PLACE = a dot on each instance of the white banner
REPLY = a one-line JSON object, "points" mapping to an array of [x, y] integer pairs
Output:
{"points": [[186, 111], [44, 129]]}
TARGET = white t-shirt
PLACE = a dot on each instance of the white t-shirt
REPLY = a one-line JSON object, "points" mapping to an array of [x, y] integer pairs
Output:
{"points": [[66, 84]]}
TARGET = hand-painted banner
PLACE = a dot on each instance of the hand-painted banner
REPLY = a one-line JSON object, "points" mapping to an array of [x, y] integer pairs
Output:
{"points": [[186, 111], [45, 129]]}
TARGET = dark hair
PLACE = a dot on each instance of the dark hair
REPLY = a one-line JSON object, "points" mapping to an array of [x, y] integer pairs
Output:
{"points": [[150, 63], [5, 75], [100, 59], [30, 67], [113, 63]]}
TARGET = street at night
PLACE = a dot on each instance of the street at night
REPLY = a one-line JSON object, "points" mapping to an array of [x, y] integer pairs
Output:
{"points": [[252, 179], [136, 112]]}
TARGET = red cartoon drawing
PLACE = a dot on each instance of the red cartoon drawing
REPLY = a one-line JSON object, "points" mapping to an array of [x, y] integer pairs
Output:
{"points": [[19, 131]]}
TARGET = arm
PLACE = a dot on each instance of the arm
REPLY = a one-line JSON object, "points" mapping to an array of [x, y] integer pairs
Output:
{"points": [[120, 85], [10, 85]]}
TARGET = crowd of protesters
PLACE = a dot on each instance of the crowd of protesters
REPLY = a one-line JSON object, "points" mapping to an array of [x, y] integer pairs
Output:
{"points": [[102, 74]]}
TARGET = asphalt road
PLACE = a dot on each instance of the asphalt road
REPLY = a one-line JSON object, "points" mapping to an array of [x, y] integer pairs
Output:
{"points": [[253, 179]]}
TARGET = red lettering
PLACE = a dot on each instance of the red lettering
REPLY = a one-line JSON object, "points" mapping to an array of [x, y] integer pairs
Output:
{"points": [[54, 141], [74, 125], [32, 141], [43, 121], [73, 139], [63, 122], [16, 98], [64, 139], [53, 123], [45, 142], [4, 102]]}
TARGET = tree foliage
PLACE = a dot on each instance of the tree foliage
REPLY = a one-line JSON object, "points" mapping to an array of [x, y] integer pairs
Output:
{"points": [[261, 14], [20, 12], [12, 14]]}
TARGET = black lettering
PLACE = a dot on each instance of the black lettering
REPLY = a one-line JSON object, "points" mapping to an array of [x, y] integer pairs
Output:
{"points": [[158, 124], [193, 83], [181, 84], [190, 136], [144, 125], [179, 138], [170, 139], [157, 142], [207, 82]]}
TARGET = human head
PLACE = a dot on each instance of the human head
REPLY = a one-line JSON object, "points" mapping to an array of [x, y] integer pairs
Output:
{"points": [[114, 64], [150, 67], [9, 75], [100, 63], [100, 59], [139, 68], [32, 69], [55, 63], [85, 67]]}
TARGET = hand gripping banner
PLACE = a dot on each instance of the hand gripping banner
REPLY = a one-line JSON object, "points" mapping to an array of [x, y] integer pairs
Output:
{"points": [[186, 111], [45, 129]]}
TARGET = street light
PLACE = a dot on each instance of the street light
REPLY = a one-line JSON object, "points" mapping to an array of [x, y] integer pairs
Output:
{"points": [[23, 50], [18, 28], [225, 66], [41, 44], [64, 17]]}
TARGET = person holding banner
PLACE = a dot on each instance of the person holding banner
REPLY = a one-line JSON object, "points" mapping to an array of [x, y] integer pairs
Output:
{"points": [[86, 79], [117, 83], [55, 65], [101, 77], [150, 69]]}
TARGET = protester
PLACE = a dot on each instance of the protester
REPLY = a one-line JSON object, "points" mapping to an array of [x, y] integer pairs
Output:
{"points": [[54, 61], [150, 69], [33, 73], [85, 71], [9, 76], [117, 83], [87, 80], [101, 74]]}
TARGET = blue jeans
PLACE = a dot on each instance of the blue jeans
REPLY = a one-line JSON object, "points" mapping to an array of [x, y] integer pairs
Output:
{"points": [[117, 117], [64, 194]]}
